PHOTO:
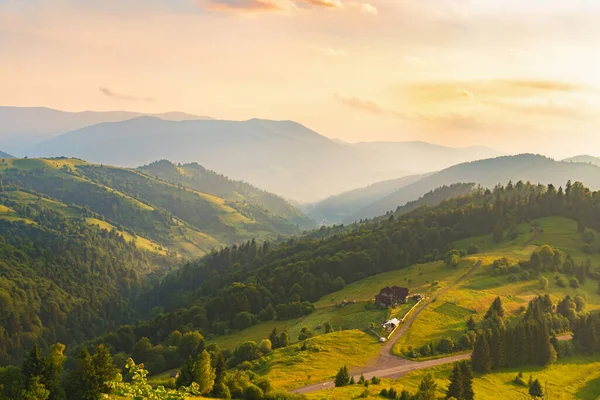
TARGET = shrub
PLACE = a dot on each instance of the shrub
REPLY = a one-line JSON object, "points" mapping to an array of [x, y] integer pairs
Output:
{"points": [[520, 381], [561, 283], [472, 249], [574, 283], [375, 380]]}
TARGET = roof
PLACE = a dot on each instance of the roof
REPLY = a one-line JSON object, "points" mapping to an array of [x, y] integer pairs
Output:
{"points": [[394, 321], [395, 291]]}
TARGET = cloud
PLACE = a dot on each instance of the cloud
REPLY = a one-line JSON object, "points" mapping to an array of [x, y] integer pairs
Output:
{"points": [[542, 85], [120, 96], [360, 104], [249, 5], [414, 61], [565, 108], [325, 3]]}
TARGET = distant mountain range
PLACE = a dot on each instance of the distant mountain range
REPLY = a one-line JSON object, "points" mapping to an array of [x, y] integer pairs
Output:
{"points": [[338, 208], [487, 173], [5, 155], [584, 159], [158, 211], [22, 127], [282, 157]]}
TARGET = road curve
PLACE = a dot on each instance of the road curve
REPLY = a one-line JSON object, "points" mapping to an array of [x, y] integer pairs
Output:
{"points": [[391, 366]]}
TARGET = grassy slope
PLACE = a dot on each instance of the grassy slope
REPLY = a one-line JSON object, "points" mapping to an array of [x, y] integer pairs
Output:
{"points": [[475, 295], [570, 378], [209, 222], [289, 368]]}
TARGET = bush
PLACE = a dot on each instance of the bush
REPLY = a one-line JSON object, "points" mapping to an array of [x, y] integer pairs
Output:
{"points": [[446, 345], [561, 283], [520, 381], [253, 392], [574, 283], [375, 380], [513, 278]]}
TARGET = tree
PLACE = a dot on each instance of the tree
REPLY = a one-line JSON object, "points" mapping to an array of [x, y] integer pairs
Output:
{"points": [[104, 369], [265, 346], [274, 338], [204, 374], [247, 351], [192, 344], [471, 325], [495, 310], [81, 382], [481, 356], [543, 283], [455, 388], [54, 371], [267, 314], [284, 339], [33, 366], [328, 327], [142, 349], [467, 380], [36, 390], [427, 388], [343, 377], [220, 372], [535, 389], [186, 374]]}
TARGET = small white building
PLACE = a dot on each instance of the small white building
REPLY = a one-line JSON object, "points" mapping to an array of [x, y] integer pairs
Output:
{"points": [[391, 324]]}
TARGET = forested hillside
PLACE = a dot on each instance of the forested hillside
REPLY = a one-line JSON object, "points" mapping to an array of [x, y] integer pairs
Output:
{"points": [[488, 173], [181, 219], [195, 176], [62, 279], [235, 287]]}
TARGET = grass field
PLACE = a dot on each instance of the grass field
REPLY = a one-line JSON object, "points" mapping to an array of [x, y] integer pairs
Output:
{"points": [[571, 378], [418, 278], [140, 242], [447, 317], [290, 368]]}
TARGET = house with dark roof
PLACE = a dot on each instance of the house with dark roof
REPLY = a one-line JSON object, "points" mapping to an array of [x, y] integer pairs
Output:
{"points": [[390, 296]]}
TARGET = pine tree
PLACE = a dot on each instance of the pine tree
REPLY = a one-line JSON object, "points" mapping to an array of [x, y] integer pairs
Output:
{"points": [[274, 338], [33, 366], [54, 371], [481, 356], [343, 377], [405, 395], [81, 381], [455, 388], [467, 380], [36, 390], [220, 371], [495, 310], [471, 325], [104, 368], [535, 389], [204, 375], [186, 374], [427, 388]]}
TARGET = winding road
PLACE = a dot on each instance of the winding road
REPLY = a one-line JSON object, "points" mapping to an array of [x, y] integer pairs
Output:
{"points": [[391, 366]]}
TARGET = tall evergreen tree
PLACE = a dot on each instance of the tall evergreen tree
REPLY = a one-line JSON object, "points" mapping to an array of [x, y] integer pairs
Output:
{"points": [[455, 388], [81, 382], [535, 389], [481, 356], [186, 374], [467, 380], [274, 338], [427, 388]]}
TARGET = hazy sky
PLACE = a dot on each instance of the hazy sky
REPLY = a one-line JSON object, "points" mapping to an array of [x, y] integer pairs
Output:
{"points": [[517, 75]]}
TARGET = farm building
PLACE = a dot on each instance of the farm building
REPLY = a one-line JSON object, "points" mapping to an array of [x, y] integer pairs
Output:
{"points": [[391, 324], [390, 296]]}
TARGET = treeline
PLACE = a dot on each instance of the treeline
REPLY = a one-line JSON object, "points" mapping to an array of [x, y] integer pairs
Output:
{"points": [[92, 376], [305, 269]]}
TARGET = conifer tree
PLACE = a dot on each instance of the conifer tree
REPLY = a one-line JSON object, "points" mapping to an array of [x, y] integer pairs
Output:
{"points": [[495, 310], [427, 388], [274, 338], [481, 356], [535, 389], [455, 388], [343, 377], [467, 380], [284, 339], [81, 381], [186, 374]]}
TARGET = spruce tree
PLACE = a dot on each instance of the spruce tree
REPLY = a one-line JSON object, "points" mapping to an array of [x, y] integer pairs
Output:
{"points": [[495, 310], [81, 381], [343, 377], [104, 368], [467, 380], [535, 389], [455, 388], [186, 374], [481, 356], [274, 338], [427, 388], [33, 365]]}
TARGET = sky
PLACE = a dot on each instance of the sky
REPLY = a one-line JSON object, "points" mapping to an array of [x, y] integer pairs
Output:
{"points": [[518, 76]]}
